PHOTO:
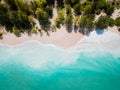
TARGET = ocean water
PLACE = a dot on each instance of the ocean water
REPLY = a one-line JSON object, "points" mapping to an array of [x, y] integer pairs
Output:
{"points": [[93, 64]]}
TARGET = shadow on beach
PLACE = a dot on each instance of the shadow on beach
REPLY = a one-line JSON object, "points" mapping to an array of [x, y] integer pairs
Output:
{"points": [[83, 31]]}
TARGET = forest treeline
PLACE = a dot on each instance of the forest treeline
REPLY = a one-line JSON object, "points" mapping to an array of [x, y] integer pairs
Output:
{"points": [[18, 15]]}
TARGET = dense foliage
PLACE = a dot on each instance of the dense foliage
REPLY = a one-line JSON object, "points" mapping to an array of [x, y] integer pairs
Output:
{"points": [[42, 16], [117, 21], [69, 17], [18, 15]]}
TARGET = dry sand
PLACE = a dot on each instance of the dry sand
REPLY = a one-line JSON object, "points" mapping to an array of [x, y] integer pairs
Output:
{"points": [[61, 38]]}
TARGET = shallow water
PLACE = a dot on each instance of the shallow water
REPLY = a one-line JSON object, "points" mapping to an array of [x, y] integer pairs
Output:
{"points": [[90, 65]]}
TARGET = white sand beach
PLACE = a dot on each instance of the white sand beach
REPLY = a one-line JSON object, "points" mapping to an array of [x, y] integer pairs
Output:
{"points": [[60, 38]]}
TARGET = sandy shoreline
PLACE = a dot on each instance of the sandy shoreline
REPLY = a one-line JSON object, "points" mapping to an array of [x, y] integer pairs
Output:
{"points": [[60, 38]]}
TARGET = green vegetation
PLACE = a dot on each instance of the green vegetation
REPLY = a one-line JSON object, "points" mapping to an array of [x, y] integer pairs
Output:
{"points": [[53, 28], [4, 17], [69, 18], [100, 4], [77, 9], [76, 21], [57, 22], [117, 21], [19, 15], [109, 9], [49, 11], [60, 18], [34, 30], [43, 17], [111, 22], [11, 4], [16, 31], [20, 20], [61, 15], [86, 7], [83, 22], [71, 2], [102, 23], [60, 3], [68, 9], [69, 22]]}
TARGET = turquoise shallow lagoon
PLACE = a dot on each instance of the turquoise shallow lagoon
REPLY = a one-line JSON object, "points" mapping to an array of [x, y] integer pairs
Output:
{"points": [[34, 66]]}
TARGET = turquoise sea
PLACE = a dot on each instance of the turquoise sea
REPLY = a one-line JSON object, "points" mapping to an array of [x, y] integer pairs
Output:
{"points": [[35, 66]]}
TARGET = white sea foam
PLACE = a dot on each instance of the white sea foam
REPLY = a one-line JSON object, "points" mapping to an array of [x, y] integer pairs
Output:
{"points": [[105, 41], [47, 56], [38, 55]]}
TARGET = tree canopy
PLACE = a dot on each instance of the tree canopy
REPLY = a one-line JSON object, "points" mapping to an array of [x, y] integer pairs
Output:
{"points": [[42, 16], [117, 21], [20, 14], [102, 23]]}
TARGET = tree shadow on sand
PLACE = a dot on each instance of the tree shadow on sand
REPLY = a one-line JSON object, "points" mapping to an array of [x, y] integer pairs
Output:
{"points": [[69, 29], [85, 31]]}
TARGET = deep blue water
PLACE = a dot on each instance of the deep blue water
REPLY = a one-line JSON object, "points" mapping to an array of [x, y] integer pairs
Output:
{"points": [[40, 67]]}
